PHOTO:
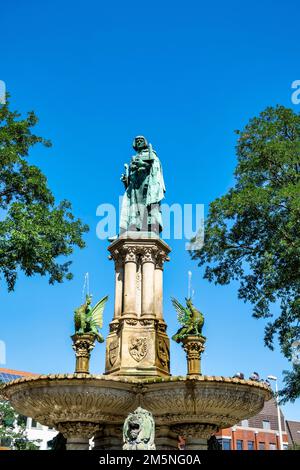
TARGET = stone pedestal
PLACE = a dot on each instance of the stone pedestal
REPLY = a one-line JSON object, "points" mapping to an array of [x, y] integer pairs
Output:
{"points": [[194, 347], [137, 344], [83, 345]]}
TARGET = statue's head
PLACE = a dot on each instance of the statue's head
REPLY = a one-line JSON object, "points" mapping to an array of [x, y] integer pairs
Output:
{"points": [[88, 299], [140, 143]]}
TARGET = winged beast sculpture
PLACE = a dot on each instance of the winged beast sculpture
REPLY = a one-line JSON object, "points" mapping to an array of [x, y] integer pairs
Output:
{"points": [[88, 319], [190, 318]]}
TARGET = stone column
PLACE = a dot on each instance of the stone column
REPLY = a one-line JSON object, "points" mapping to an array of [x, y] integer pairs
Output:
{"points": [[130, 281], [193, 346], [148, 268], [119, 279], [110, 437], [195, 434], [158, 287], [77, 433], [83, 344], [165, 439]]}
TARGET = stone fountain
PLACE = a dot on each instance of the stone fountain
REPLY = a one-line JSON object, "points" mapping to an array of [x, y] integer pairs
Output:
{"points": [[137, 368]]}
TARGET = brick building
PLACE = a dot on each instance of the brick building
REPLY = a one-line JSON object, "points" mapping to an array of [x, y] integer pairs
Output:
{"points": [[257, 433], [293, 430]]}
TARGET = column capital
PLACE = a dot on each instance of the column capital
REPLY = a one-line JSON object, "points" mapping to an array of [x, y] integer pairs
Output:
{"points": [[161, 257], [148, 254], [130, 254], [79, 429], [118, 258]]}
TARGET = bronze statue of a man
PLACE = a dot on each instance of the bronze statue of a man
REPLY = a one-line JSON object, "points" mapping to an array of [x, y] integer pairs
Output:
{"points": [[145, 188]]}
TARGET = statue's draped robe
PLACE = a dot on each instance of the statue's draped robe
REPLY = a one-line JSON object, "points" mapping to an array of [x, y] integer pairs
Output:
{"points": [[145, 190]]}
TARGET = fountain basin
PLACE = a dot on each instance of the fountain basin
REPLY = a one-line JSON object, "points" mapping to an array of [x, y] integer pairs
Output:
{"points": [[81, 405]]}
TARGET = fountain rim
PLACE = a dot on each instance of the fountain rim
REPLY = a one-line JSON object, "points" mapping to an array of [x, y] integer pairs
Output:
{"points": [[44, 379]]}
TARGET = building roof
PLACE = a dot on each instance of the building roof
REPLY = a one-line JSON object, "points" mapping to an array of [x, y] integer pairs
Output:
{"points": [[293, 429], [6, 375], [268, 413]]}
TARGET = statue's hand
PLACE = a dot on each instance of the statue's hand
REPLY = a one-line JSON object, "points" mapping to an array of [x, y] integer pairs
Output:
{"points": [[124, 178]]}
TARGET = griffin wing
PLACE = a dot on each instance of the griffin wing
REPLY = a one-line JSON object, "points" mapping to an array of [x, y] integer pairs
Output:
{"points": [[77, 319], [183, 315], [97, 312]]}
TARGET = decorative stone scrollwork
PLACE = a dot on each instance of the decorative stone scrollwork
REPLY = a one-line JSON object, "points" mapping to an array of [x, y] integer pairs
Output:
{"points": [[193, 349], [73, 429], [118, 258], [160, 258], [148, 254], [146, 322], [114, 326], [162, 326], [131, 321], [195, 430], [83, 345], [130, 253]]}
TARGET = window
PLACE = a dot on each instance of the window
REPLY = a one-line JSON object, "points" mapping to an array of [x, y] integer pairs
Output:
{"points": [[261, 446], [22, 420], [250, 445], [272, 446], [266, 424], [226, 444], [245, 423], [33, 423], [239, 444]]}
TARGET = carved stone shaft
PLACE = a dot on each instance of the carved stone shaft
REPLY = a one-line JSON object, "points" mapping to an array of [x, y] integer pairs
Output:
{"points": [[148, 267], [130, 281]]}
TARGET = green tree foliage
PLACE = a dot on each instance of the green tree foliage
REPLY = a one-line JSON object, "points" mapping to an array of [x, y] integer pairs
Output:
{"points": [[13, 430], [34, 232], [252, 232]]}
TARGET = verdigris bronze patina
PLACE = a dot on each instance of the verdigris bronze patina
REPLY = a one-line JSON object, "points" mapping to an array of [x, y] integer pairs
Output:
{"points": [[139, 431], [89, 319], [145, 188], [190, 318]]}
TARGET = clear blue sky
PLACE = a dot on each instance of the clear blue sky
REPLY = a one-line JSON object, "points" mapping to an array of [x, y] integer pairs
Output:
{"points": [[184, 74]]}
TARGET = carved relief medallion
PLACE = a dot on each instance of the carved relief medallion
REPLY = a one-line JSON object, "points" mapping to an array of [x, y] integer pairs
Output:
{"points": [[138, 347]]}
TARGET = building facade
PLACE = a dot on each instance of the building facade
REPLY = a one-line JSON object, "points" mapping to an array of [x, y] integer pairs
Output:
{"points": [[257, 433], [293, 430], [36, 432]]}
